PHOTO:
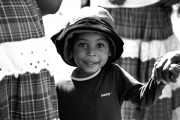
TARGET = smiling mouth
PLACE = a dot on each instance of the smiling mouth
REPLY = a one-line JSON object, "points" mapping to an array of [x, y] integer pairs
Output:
{"points": [[91, 64]]}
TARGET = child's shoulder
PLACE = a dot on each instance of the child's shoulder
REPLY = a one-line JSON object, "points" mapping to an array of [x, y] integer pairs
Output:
{"points": [[65, 85], [113, 66]]}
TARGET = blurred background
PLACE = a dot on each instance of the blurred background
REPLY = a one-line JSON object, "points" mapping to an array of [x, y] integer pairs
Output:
{"points": [[53, 24]]}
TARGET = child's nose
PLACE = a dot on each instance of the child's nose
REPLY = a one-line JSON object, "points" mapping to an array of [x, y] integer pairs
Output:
{"points": [[92, 53]]}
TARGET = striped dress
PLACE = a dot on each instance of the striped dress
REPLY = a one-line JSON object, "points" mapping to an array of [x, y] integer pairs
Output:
{"points": [[147, 34], [27, 87]]}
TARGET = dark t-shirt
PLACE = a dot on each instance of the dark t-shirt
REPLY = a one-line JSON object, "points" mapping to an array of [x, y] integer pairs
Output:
{"points": [[101, 97]]}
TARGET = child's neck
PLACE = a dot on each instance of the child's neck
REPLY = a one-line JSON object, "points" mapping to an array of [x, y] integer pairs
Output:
{"points": [[78, 73]]}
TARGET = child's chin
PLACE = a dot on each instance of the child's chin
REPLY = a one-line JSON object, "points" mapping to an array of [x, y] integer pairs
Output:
{"points": [[91, 71]]}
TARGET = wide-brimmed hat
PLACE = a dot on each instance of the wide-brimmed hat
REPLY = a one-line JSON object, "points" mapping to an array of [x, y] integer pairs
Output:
{"points": [[88, 19]]}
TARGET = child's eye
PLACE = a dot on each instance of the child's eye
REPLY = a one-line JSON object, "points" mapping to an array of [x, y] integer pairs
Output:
{"points": [[82, 45], [100, 45]]}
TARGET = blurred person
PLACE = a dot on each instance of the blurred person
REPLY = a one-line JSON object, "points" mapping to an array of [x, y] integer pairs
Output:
{"points": [[27, 86]]}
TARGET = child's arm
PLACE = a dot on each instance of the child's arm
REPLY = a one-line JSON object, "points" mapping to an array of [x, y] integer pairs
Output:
{"points": [[141, 94], [145, 95]]}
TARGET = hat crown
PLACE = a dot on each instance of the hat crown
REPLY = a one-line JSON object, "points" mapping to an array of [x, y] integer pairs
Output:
{"points": [[94, 12]]}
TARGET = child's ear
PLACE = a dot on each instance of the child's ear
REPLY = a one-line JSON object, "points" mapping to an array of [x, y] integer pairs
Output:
{"points": [[110, 53], [71, 54]]}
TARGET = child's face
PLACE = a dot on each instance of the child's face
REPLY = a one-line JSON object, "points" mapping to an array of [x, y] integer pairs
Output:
{"points": [[90, 51]]}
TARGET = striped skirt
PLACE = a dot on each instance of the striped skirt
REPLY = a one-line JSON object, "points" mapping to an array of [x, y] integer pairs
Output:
{"points": [[147, 34]]}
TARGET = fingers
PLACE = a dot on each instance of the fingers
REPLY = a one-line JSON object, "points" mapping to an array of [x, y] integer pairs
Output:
{"points": [[84, 3], [163, 1], [168, 73], [120, 2], [165, 71], [174, 70], [173, 73], [112, 1], [168, 2], [162, 69], [177, 68], [171, 2], [153, 75], [173, 80]]}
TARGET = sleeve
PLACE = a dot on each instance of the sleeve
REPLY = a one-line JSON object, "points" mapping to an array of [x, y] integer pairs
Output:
{"points": [[59, 93], [142, 95]]}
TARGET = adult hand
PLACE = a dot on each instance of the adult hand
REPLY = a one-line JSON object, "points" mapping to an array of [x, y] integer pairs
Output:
{"points": [[163, 66], [169, 2], [49, 6], [117, 2], [174, 72], [84, 3]]}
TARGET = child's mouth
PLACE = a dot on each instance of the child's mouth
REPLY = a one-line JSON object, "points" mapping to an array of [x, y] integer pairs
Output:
{"points": [[91, 63]]}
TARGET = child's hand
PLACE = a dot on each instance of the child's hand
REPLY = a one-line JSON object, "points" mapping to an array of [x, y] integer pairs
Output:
{"points": [[174, 70], [117, 2]]}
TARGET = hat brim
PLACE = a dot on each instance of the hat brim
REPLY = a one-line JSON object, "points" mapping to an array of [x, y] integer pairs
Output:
{"points": [[62, 38]]}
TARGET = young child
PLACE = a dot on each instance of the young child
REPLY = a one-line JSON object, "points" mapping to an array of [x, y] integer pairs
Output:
{"points": [[98, 87]]}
